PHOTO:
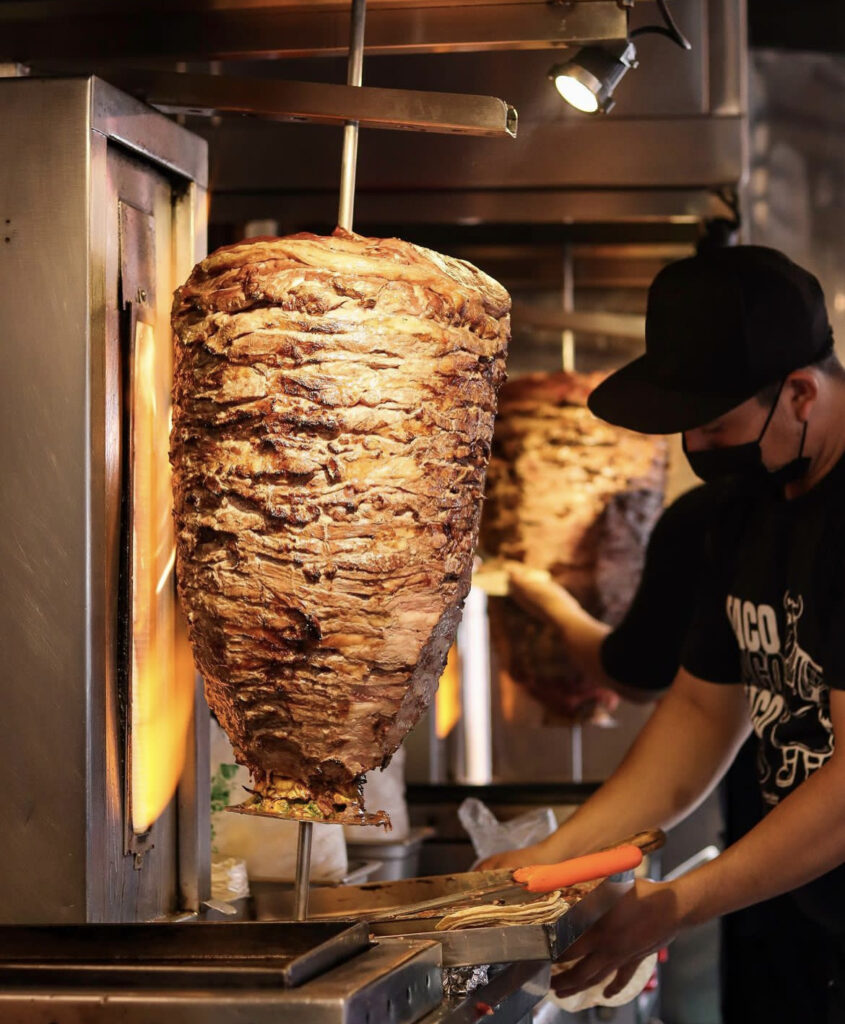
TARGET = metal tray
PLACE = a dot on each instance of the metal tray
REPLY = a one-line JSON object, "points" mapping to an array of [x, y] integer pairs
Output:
{"points": [[163, 955], [463, 947]]}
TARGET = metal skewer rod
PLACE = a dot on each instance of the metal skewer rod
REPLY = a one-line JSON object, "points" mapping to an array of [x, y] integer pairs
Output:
{"points": [[349, 161], [577, 737], [354, 76], [303, 870]]}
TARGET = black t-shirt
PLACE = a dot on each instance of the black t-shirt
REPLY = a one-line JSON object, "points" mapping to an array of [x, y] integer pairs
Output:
{"points": [[772, 616], [644, 651]]}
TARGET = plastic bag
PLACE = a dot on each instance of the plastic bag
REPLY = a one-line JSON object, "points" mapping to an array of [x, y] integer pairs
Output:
{"points": [[229, 879], [491, 836]]}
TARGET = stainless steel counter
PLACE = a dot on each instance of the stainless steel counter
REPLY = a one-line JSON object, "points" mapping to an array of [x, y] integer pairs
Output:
{"points": [[396, 981]]}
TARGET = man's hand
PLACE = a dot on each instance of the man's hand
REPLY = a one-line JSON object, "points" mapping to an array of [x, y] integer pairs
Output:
{"points": [[515, 859], [644, 921], [550, 850], [508, 859]]}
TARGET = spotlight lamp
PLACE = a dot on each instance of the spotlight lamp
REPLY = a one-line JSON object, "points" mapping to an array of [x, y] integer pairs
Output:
{"points": [[588, 79]]}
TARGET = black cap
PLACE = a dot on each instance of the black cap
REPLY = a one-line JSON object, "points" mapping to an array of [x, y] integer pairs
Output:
{"points": [[720, 326]]}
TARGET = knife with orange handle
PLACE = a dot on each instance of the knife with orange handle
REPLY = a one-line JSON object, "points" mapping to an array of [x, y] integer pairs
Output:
{"points": [[610, 861], [578, 869], [548, 877], [502, 881]]}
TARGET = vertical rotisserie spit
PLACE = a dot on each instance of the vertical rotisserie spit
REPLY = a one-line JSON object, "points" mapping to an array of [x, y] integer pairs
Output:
{"points": [[577, 497], [334, 401]]}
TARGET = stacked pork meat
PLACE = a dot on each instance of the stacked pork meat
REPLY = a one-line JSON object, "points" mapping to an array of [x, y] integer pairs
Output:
{"points": [[333, 414], [577, 497]]}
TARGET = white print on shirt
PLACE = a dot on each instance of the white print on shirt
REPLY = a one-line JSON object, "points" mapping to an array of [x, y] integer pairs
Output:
{"points": [[788, 699], [802, 672]]}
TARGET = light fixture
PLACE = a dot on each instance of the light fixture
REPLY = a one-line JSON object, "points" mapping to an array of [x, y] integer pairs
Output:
{"points": [[588, 79]]}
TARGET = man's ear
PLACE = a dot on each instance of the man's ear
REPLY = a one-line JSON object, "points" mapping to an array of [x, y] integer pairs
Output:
{"points": [[802, 389]]}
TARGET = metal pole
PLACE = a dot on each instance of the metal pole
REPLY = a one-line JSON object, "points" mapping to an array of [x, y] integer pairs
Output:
{"points": [[567, 338], [303, 870], [354, 75], [577, 763]]}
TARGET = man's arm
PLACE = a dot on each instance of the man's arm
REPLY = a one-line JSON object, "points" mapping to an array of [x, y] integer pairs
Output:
{"points": [[582, 633], [679, 756], [799, 840]]}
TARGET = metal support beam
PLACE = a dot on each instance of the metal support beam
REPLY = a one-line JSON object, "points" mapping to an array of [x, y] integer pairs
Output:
{"points": [[322, 103], [63, 32]]}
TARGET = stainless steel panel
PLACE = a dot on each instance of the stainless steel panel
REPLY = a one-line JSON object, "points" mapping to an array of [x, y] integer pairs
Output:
{"points": [[66, 33], [398, 982], [141, 129], [60, 511], [286, 954], [324, 103], [44, 208]]}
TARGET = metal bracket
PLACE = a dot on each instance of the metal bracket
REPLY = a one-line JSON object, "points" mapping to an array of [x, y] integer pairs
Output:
{"points": [[322, 103], [137, 846]]}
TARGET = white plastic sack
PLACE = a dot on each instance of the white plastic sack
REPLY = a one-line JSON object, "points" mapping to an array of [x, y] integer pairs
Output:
{"points": [[229, 879], [491, 836]]}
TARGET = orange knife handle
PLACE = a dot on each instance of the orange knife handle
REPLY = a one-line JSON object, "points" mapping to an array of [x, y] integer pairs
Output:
{"points": [[548, 877]]}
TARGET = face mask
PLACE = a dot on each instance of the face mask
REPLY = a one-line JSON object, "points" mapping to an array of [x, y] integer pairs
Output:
{"points": [[746, 460]]}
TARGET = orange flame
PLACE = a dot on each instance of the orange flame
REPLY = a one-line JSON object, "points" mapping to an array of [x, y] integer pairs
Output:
{"points": [[162, 683], [448, 699]]}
